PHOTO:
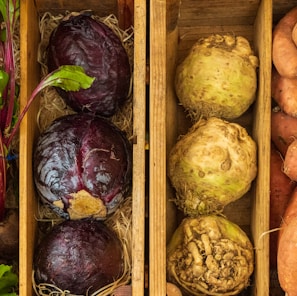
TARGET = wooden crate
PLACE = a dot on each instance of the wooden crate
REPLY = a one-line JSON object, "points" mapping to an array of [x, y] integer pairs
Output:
{"points": [[126, 13], [174, 27]]}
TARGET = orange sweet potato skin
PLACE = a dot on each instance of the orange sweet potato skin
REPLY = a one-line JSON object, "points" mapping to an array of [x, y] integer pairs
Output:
{"points": [[294, 34], [290, 167], [284, 92], [283, 130], [291, 210], [287, 249], [287, 257], [284, 51], [281, 188]]}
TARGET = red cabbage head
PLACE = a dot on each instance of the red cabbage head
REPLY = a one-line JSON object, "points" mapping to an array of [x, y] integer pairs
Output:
{"points": [[83, 41], [82, 166]]}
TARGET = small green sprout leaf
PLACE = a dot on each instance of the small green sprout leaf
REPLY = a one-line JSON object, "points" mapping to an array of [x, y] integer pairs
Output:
{"points": [[69, 78]]}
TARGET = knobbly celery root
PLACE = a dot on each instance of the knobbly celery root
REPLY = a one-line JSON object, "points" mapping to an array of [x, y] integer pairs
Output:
{"points": [[218, 77], [210, 255], [211, 166]]}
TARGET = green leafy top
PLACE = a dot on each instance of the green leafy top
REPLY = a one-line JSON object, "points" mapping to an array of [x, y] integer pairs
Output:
{"points": [[69, 78], [8, 281], [12, 6]]}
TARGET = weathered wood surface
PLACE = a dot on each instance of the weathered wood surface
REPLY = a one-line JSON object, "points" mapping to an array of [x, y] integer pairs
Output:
{"points": [[169, 43]]}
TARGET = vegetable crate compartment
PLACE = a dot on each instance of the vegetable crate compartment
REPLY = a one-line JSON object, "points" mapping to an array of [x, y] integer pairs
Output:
{"points": [[282, 14], [174, 27], [127, 16]]}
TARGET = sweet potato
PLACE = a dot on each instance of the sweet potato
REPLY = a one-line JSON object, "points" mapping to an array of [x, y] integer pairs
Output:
{"points": [[287, 257], [281, 188], [287, 249], [284, 50], [290, 167], [291, 210], [283, 130], [284, 92], [294, 34]]}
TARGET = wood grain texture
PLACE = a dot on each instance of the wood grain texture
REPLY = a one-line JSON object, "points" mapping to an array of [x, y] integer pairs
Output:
{"points": [[122, 9], [157, 153], [262, 135], [101, 7], [163, 133], [139, 119], [29, 78]]}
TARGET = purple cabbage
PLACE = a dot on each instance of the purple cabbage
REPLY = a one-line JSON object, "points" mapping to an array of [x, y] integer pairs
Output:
{"points": [[79, 256], [80, 40], [82, 166]]}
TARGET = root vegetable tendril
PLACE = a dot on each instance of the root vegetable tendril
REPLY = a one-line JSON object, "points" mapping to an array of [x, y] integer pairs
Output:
{"points": [[210, 255]]}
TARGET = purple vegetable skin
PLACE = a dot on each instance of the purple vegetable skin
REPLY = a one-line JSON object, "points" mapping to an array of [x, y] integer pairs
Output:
{"points": [[83, 41], [82, 166], [78, 255]]}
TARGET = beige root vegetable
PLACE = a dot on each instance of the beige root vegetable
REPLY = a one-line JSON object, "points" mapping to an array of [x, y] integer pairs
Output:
{"points": [[210, 255], [211, 166], [218, 77]]}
